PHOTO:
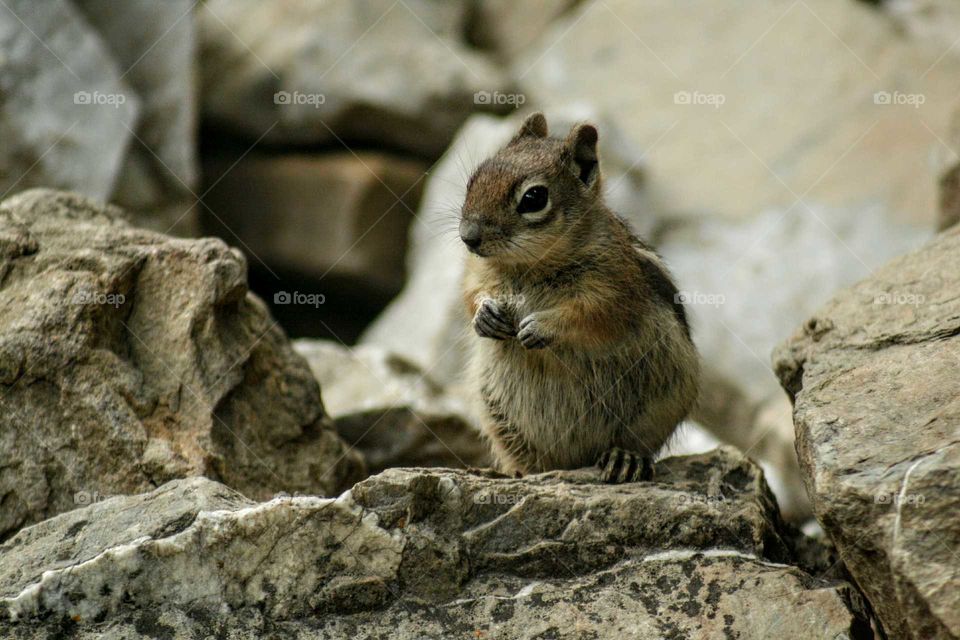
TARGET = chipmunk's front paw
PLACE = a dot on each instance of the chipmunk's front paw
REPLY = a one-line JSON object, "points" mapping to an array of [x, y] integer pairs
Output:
{"points": [[492, 321], [618, 465], [531, 333]]}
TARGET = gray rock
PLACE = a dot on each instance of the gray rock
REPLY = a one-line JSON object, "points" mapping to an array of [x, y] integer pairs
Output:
{"points": [[743, 292], [420, 553], [128, 358], [154, 45], [391, 410], [394, 73], [875, 386], [507, 27], [66, 113]]}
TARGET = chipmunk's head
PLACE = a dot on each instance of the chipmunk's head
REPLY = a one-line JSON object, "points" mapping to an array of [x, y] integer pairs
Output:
{"points": [[527, 201]]}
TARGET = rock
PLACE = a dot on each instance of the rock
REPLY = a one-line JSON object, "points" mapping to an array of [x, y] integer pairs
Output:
{"points": [[949, 162], [873, 376], [434, 553], [128, 358], [507, 28], [743, 293], [343, 71], [154, 44], [426, 323], [338, 217], [67, 113], [927, 23], [391, 410], [731, 130]]}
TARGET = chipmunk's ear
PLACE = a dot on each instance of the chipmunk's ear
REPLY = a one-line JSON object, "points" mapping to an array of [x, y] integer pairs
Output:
{"points": [[582, 146], [535, 126]]}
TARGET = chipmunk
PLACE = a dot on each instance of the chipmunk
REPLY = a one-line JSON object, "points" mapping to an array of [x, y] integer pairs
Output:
{"points": [[584, 353]]}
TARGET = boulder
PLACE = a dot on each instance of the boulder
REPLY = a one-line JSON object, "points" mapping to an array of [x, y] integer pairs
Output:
{"points": [[874, 379], [67, 112], [418, 553], [395, 74], [129, 358], [391, 410], [325, 217]]}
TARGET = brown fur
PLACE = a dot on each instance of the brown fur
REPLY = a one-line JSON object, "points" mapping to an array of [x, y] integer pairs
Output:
{"points": [[583, 345]]}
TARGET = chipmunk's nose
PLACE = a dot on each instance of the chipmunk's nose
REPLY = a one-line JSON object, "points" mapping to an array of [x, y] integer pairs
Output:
{"points": [[470, 234]]}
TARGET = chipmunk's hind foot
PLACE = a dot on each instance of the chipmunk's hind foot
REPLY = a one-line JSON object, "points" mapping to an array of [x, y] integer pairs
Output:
{"points": [[619, 465]]}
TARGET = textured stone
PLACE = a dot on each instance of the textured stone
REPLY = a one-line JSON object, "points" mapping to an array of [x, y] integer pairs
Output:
{"points": [[415, 553], [390, 73], [129, 358], [391, 410], [874, 380]]}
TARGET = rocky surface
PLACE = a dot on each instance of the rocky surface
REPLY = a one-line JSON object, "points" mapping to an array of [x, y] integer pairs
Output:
{"points": [[875, 386], [415, 553], [392, 411], [332, 216], [395, 73], [128, 358]]}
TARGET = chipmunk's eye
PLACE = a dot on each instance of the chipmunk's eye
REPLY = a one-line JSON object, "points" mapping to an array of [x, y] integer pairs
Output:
{"points": [[534, 199]]}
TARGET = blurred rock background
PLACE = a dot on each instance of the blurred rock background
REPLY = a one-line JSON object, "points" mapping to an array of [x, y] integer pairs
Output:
{"points": [[773, 151]]}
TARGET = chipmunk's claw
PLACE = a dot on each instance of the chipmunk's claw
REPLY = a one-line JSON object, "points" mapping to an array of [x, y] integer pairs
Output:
{"points": [[618, 466], [531, 334], [493, 322]]}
